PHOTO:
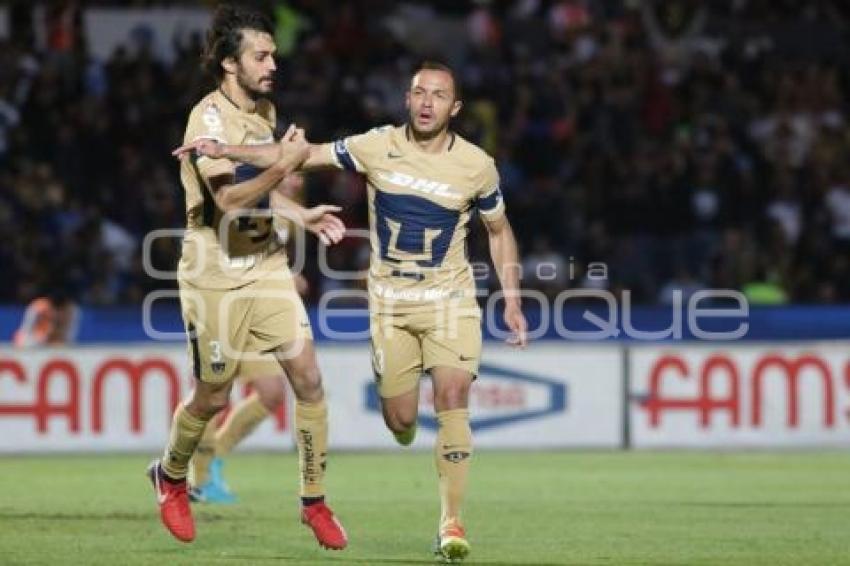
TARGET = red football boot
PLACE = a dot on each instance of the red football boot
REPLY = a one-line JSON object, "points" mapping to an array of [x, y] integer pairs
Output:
{"points": [[326, 527], [173, 500]]}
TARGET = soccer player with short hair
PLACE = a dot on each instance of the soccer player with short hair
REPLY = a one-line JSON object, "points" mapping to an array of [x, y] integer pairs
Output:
{"points": [[237, 295], [425, 182]]}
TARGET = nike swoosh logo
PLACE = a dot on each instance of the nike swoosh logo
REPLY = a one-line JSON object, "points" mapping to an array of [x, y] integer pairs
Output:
{"points": [[392, 155], [465, 358]]}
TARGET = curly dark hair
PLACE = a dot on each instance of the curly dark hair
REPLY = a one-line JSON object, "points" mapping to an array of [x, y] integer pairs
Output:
{"points": [[224, 38]]}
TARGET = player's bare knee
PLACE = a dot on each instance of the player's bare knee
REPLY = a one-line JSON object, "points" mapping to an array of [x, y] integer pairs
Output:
{"points": [[406, 421], [452, 395], [307, 384], [399, 421], [207, 400], [394, 425], [206, 407], [399, 413]]}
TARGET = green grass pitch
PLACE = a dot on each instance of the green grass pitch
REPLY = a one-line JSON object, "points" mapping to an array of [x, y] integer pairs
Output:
{"points": [[523, 508]]}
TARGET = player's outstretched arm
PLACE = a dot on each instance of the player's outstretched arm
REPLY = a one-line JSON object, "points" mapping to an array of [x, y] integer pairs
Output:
{"points": [[263, 155], [505, 254], [231, 196]]}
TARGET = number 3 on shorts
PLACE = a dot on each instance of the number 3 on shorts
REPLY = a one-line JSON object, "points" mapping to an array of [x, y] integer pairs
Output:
{"points": [[215, 351]]}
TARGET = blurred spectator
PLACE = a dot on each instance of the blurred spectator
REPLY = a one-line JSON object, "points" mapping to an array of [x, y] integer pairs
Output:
{"points": [[681, 143], [51, 320], [544, 268], [764, 289], [683, 284], [838, 206]]}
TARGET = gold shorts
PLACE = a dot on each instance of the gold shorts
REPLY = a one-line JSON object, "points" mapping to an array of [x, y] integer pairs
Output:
{"points": [[232, 330], [406, 345]]}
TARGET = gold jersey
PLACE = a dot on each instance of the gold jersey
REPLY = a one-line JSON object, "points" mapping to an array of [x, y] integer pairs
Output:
{"points": [[420, 205], [226, 251]]}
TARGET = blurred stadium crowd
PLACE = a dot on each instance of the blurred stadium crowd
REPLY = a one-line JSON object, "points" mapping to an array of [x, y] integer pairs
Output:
{"points": [[684, 144]]}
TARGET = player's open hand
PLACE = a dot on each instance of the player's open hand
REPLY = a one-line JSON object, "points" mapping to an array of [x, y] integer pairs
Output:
{"points": [[206, 147], [321, 221], [518, 326]]}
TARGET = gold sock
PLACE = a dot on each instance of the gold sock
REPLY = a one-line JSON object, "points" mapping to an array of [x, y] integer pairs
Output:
{"points": [[199, 467], [311, 436], [186, 432], [452, 453], [241, 421]]}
